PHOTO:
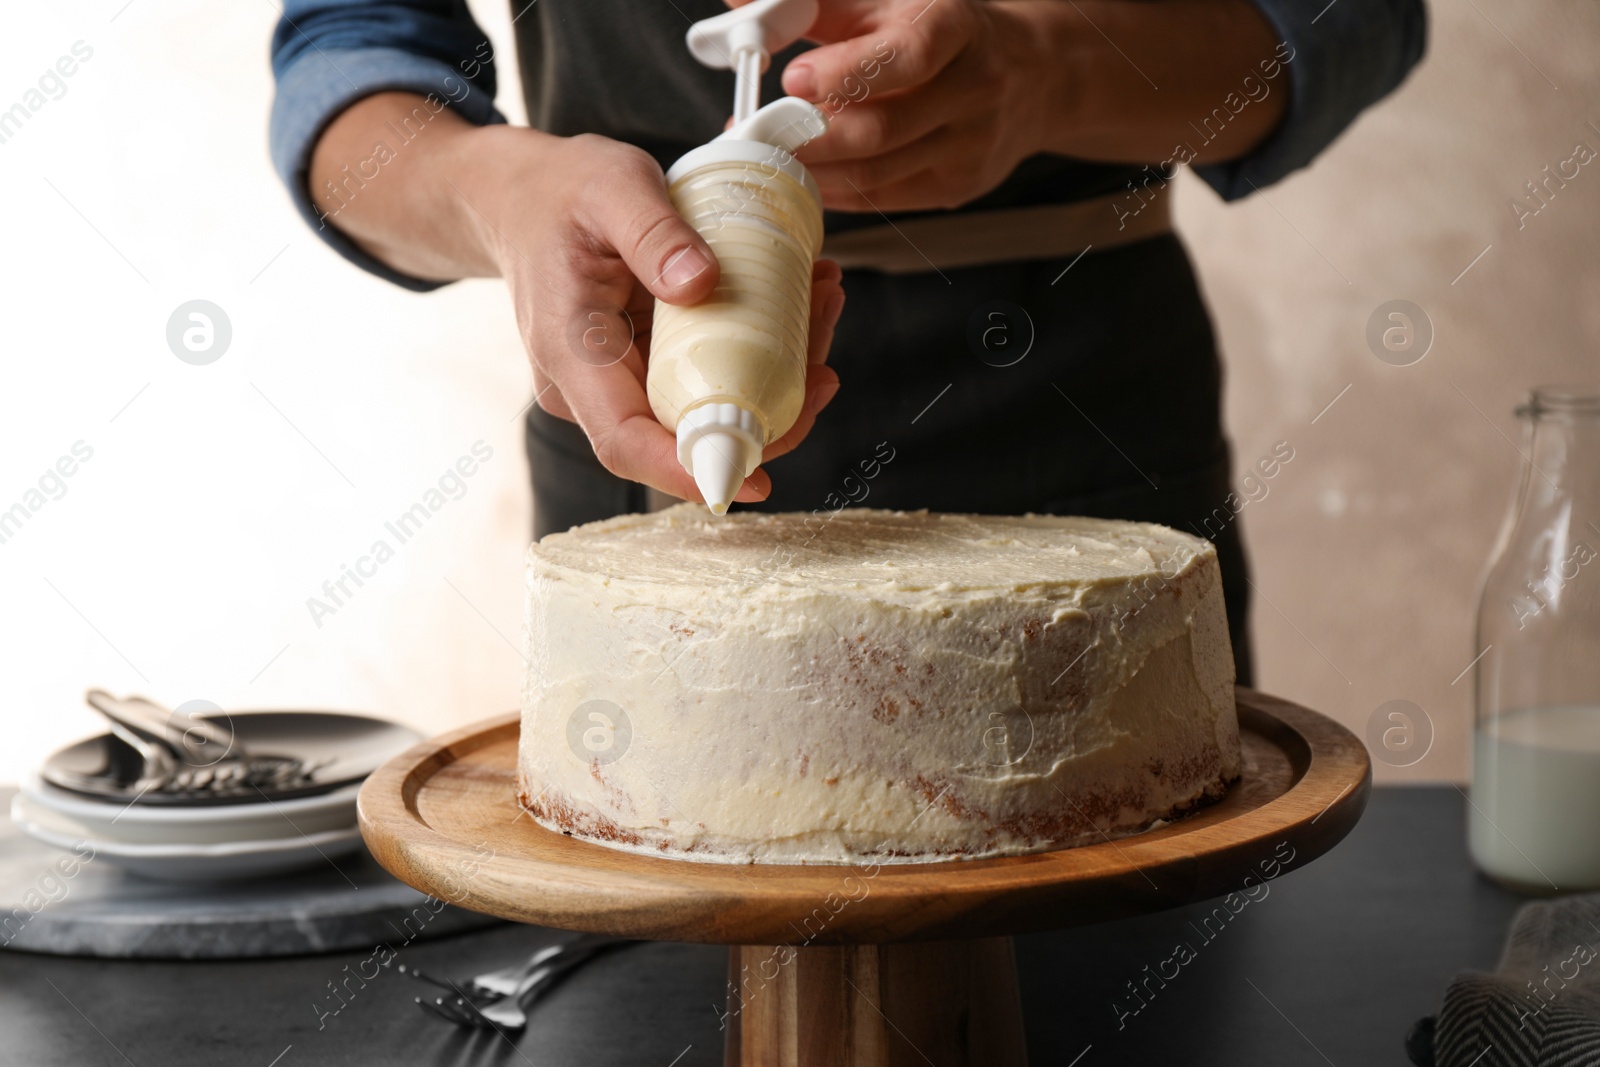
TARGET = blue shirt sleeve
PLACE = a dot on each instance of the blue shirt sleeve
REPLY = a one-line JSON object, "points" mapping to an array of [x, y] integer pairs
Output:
{"points": [[328, 54], [1341, 57]]}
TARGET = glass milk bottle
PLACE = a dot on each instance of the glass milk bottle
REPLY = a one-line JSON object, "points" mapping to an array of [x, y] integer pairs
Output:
{"points": [[1534, 817]]}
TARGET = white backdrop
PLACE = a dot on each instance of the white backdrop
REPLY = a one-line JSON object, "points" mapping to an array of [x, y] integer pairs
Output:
{"points": [[219, 498]]}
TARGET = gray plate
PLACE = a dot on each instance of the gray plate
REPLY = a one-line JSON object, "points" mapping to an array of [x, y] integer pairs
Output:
{"points": [[343, 748]]}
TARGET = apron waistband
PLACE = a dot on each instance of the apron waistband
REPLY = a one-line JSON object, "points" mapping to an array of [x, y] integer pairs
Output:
{"points": [[970, 239]]}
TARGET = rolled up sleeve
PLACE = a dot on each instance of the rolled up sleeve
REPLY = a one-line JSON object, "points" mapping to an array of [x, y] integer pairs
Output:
{"points": [[1342, 57], [328, 54]]}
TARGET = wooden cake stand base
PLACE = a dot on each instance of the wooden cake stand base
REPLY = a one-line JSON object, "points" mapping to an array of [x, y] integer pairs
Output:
{"points": [[872, 965], [944, 1002]]}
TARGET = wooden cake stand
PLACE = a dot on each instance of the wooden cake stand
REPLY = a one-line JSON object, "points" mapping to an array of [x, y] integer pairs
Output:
{"points": [[872, 965]]}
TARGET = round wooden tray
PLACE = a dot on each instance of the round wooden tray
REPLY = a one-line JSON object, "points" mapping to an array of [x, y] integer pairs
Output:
{"points": [[443, 817]]}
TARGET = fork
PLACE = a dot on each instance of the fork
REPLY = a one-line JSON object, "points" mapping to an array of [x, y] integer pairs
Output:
{"points": [[498, 1000], [492, 985]]}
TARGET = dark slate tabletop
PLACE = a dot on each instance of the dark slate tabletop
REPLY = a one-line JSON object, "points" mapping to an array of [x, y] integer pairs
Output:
{"points": [[1331, 964]]}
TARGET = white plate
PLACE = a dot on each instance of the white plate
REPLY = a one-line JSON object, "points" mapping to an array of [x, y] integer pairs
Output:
{"points": [[206, 825], [189, 863]]}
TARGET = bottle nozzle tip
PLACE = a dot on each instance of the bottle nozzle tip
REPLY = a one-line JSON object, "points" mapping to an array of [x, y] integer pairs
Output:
{"points": [[719, 469], [719, 444]]}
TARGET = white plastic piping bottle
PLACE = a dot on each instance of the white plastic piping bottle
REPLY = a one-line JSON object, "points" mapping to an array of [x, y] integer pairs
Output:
{"points": [[727, 375]]}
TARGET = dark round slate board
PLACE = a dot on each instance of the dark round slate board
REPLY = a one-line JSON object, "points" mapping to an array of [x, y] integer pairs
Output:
{"points": [[98, 910]]}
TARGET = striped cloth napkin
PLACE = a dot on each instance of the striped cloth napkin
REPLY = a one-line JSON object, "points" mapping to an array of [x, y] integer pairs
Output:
{"points": [[1540, 1007]]}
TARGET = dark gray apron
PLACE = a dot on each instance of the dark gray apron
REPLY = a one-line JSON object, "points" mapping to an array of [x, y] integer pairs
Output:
{"points": [[1001, 389]]}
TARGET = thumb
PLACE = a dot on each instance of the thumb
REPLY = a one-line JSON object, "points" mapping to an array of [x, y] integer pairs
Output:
{"points": [[660, 248]]}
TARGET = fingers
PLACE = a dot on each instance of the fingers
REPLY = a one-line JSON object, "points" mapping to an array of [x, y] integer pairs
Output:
{"points": [[822, 382], [925, 190], [903, 50], [860, 182], [640, 449], [609, 402], [587, 384], [548, 397], [827, 304], [628, 212], [875, 126], [756, 487]]}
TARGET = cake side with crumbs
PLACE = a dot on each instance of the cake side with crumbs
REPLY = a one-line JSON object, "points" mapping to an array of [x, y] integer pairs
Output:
{"points": [[880, 686]]}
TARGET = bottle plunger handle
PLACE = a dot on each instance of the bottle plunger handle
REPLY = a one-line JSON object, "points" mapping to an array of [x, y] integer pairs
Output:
{"points": [[742, 40]]}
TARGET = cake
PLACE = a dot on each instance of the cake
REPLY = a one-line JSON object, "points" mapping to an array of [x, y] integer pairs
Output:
{"points": [[871, 685]]}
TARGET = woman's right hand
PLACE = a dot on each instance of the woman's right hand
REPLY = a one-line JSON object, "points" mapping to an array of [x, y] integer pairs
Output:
{"points": [[583, 232]]}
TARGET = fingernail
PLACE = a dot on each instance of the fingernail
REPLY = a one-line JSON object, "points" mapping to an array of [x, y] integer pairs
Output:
{"points": [[684, 266], [835, 306], [825, 394], [800, 80]]}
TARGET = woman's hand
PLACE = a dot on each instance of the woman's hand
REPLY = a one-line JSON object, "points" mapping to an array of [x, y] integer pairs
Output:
{"points": [[583, 233]]}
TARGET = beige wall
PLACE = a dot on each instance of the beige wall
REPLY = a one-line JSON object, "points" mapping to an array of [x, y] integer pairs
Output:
{"points": [[1372, 541]]}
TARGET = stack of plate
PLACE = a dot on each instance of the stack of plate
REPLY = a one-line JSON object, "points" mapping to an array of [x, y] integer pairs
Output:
{"points": [[92, 798], [192, 843]]}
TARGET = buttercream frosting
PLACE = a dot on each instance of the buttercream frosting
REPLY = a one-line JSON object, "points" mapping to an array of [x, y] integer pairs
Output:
{"points": [[894, 686]]}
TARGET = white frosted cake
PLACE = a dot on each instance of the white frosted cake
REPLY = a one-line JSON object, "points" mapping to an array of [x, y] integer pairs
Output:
{"points": [[884, 686]]}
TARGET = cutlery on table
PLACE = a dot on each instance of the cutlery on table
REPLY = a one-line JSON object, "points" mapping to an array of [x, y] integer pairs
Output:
{"points": [[498, 1000]]}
